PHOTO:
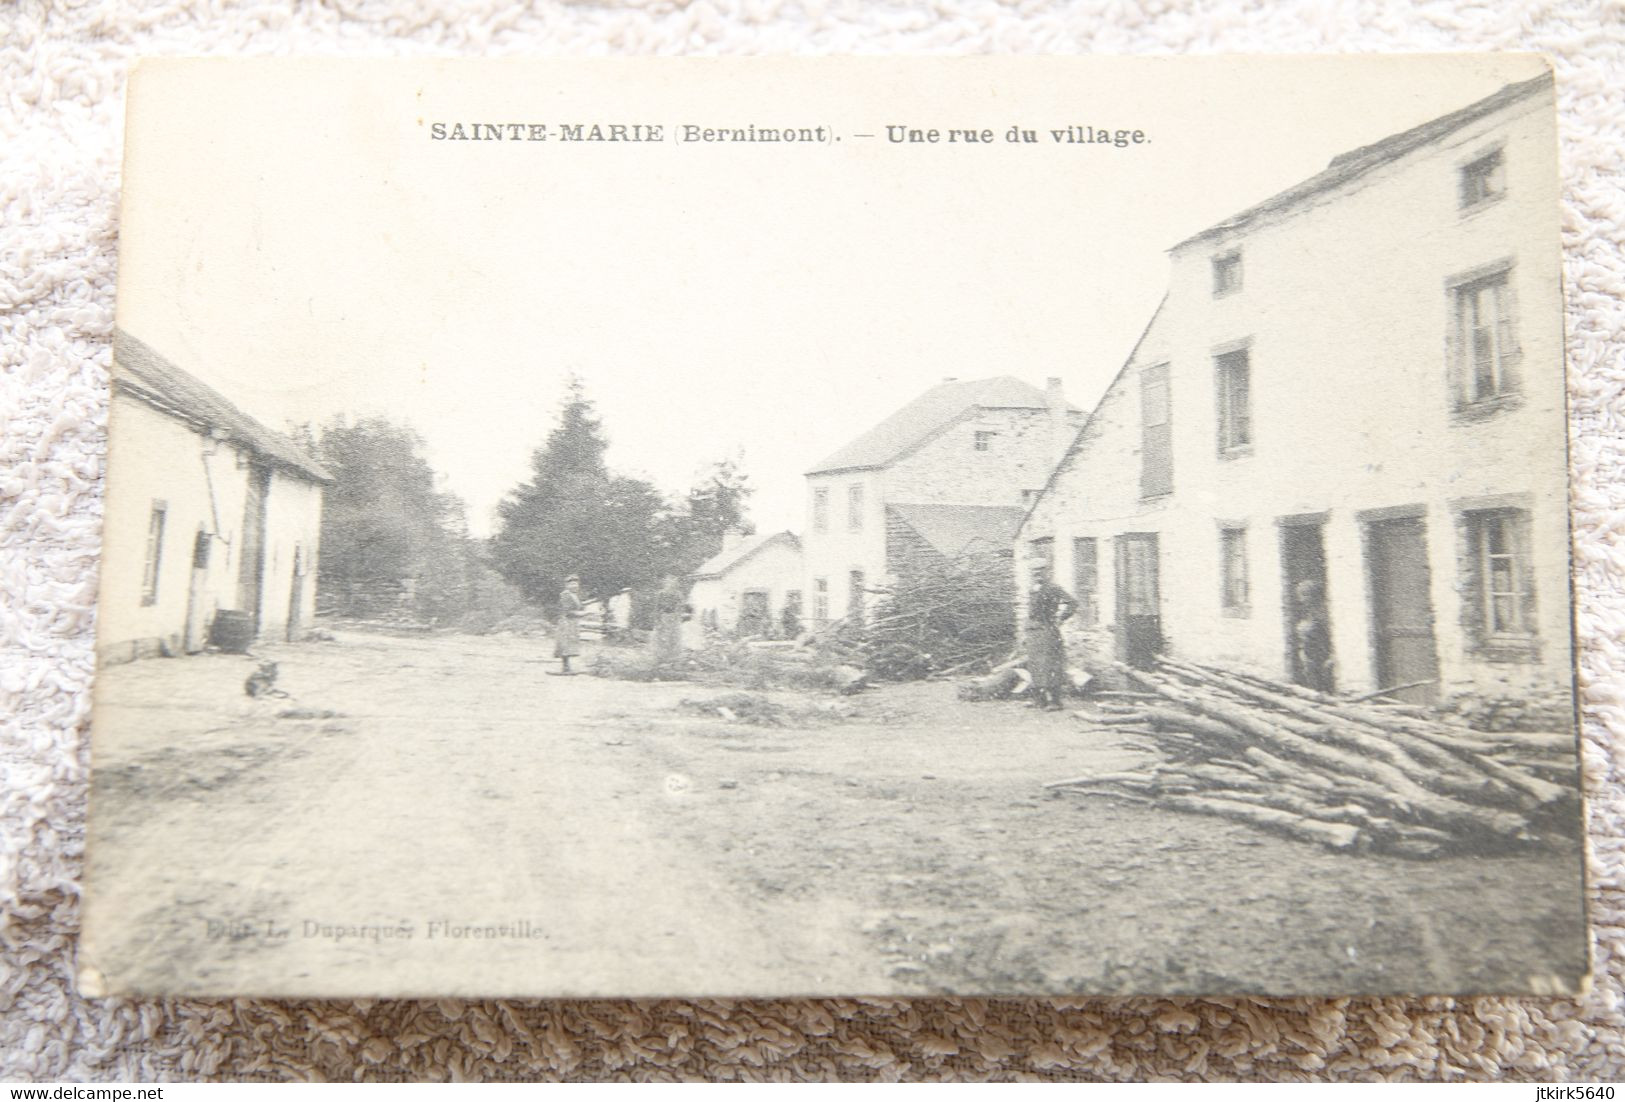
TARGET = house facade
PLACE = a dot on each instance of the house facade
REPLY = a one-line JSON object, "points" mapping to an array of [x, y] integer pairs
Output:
{"points": [[746, 587], [206, 510], [1333, 457], [972, 445]]}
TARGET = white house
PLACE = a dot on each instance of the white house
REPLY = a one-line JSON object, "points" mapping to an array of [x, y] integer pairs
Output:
{"points": [[206, 510], [746, 587], [1348, 410], [975, 450]]}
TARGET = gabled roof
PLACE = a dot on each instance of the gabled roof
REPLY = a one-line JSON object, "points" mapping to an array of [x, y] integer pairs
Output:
{"points": [[1081, 437], [144, 374], [1357, 162], [730, 557], [953, 529], [927, 415]]}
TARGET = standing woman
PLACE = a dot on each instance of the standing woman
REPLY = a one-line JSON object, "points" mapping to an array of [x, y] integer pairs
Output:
{"points": [[1048, 607], [567, 628]]}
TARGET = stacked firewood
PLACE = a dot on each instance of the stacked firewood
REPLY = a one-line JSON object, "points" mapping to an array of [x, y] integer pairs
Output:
{"points": [[1347, 773]]}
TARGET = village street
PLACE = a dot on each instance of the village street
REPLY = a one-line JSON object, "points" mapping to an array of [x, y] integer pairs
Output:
{"points": [[649, 838]]}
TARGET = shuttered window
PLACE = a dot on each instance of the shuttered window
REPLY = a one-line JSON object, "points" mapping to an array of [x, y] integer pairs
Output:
{"points": [[1156, 438], [1086, 578], [1235, 402], [155, 553]]}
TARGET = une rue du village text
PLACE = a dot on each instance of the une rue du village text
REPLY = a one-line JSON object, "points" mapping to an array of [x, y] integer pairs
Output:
{"points": [[753, 134]]}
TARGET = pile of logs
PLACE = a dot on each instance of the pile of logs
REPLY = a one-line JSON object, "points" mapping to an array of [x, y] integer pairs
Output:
{"points": [[1347, 773]]}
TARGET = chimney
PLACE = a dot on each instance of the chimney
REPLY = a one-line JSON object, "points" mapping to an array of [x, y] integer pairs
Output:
{"points": [[1060, 424]]}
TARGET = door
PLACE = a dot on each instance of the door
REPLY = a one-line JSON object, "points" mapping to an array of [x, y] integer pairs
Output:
{"points": [[251, 559], [197, 595], [1402, 609], [296, 596], [1305, 610], [1139, 608], [754, 614]]}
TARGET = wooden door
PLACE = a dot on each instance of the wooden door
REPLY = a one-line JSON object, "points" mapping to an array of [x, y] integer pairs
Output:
{"points": [[755, 617], [296, 596], [251, 553], [1402, 609], [1139, 605]]}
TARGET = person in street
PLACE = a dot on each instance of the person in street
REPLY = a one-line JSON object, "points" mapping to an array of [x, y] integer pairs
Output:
{"points": [[670, 612], [1048, 607], [567, 627], [1311, 638]]}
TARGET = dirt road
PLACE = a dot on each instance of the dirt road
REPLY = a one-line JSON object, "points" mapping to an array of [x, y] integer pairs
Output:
{"points": [[438, 815]]}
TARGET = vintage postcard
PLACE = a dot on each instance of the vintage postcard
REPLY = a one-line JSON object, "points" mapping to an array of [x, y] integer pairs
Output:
{"points": [[837, 527]]}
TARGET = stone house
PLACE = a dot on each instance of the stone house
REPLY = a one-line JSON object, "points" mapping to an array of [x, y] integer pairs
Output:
{"points": [[1335, 455], [206, 511], [745, 588], [955, 466]]}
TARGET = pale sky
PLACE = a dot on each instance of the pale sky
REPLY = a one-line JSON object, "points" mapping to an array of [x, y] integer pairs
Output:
{"points": [[292, 236]]}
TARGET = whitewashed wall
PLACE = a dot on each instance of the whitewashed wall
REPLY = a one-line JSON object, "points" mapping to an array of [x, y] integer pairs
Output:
{"points": [[1346, 303]]}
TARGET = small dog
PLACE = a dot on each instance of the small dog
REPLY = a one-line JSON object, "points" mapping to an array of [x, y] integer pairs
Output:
{"points": [[262, 682]]}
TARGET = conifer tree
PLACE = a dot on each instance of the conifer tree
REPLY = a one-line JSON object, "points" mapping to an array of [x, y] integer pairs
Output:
{"points": [[573, 516]]}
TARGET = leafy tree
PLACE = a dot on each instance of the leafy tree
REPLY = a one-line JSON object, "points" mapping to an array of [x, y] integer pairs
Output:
{"points": [[714, 506], [388, 535]]}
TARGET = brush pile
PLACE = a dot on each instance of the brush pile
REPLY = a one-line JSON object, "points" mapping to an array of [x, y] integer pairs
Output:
{"points": [[942, 618], [1347, 773]]}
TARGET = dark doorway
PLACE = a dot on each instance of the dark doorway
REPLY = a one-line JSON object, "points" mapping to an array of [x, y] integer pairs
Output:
{"points": [[1304, 605], [755, 616], [1139, 606], [251, 553], [1402, 609], [296, 597]]}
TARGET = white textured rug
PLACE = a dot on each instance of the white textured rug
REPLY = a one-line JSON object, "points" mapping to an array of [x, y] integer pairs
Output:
{"points": [[62, 71]]}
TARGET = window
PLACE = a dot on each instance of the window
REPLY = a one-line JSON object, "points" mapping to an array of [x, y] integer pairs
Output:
{"points": [[155, 553], [854, 596], [1086, 579], [1483, 180], [984, 440], [1233, 571], [854, 507], [821, 509], [1500, 608], [1235, 402], [1485, 347], [821, 600], [1156, 436], [1226, 274]]}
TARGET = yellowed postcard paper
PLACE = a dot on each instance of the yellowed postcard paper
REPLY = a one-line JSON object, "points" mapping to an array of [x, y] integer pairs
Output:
{"points": [[837, 527]]}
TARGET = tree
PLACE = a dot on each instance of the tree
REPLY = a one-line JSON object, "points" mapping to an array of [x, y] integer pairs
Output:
{"points": [[573, 516], [716, 505], [391, 541]]}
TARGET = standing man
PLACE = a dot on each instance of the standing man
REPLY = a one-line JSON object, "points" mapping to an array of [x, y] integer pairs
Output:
{"points": [[1048, 607], [567, 628], [1312, 638]]}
